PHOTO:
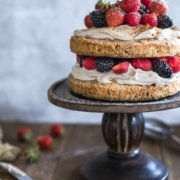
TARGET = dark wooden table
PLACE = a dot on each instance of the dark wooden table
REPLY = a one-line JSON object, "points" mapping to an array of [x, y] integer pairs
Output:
{"points": [[80, 143]]}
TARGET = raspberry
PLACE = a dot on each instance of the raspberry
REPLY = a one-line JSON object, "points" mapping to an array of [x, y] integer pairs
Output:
{"points": [[104, 64], [114, 17], [149, 19], [143, 64], [88, 22], [98, 18], [130, 5], [163, 69], [174, 63], [121, 68], [146, 2], [89, 63], [133, 19], [164, 22], [158, 7]]}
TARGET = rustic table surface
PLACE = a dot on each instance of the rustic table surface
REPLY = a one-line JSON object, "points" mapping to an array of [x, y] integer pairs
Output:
{"points": [[80, 143]]}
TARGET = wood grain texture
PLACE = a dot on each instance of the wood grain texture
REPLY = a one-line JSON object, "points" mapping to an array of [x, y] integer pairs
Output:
{"points": [[79, 144]]}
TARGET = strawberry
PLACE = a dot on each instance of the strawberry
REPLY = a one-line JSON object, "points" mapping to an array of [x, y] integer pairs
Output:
{"points": [[88, 22], [133, 18], [24, 134], [174, 63], [130, 5], [149, 19], [32, 154], [143, 64], [114, 17], [89, 63], [57, 130], [102, 5], [45, 142], [146, 2], [121, 68], [158, 7]]}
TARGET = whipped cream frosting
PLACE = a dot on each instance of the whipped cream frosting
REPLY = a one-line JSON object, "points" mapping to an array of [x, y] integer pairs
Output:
{"points": [[128, 33], [132, 77]]}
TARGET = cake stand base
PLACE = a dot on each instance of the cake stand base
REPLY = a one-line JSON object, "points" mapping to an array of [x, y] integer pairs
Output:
{"points": [[143, 166]]}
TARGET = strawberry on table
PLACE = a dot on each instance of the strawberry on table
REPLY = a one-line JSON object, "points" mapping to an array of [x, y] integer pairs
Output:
{"points": [[149, 19], [45, 142], [89, 63], [121, 68], [143, 64], [24, 134], [88, 22], [57, 130], [133, 18], [158, 7], [130, 5], [114, 17]]}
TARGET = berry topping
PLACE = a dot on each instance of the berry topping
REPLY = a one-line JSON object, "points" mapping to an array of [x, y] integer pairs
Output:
{"points": [[174, 63], [121, 68], [133, 18], [45, 142], [149, 19], [24, 134], [114, 17], [130, 5], [89, 63], [143, 9], [88, 22], [98, 18], [146, 2], [57, 130], [163, 69], [158, 7], [80, 59], [164, 21], [104, 64], [143, 64], [102, 5]]}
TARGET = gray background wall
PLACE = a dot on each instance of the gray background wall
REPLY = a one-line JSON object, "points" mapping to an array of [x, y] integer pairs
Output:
{"points": [[34, 52]]}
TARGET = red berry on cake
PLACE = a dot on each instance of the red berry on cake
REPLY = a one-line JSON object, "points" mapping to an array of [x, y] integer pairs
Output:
{"points": [[102, 5], [130, 5], [146, 2], [88, 22], [149, 19], [174, 63], [89, 63], [133, 18], [121, 68], [143, 64], [158, 7], [114, 17]]}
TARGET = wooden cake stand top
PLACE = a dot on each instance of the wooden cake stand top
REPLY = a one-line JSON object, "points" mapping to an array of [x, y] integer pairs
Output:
{"points": [[60, 95]]}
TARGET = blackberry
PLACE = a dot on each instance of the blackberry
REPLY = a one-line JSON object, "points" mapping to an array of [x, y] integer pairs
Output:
{"points": [[143, 9], [162, 69], [104, 64], [164, 22], [98, 18]]}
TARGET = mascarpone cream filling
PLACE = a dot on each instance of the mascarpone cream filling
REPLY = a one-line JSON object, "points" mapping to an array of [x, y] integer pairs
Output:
{"points": [[132, 77], [127, 33]]}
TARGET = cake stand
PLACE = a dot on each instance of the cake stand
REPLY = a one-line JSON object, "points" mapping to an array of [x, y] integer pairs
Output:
{"points": [[122, 128]]}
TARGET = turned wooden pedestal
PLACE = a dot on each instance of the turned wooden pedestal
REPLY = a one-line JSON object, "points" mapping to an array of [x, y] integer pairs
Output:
{"points": [[122, 128]]}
